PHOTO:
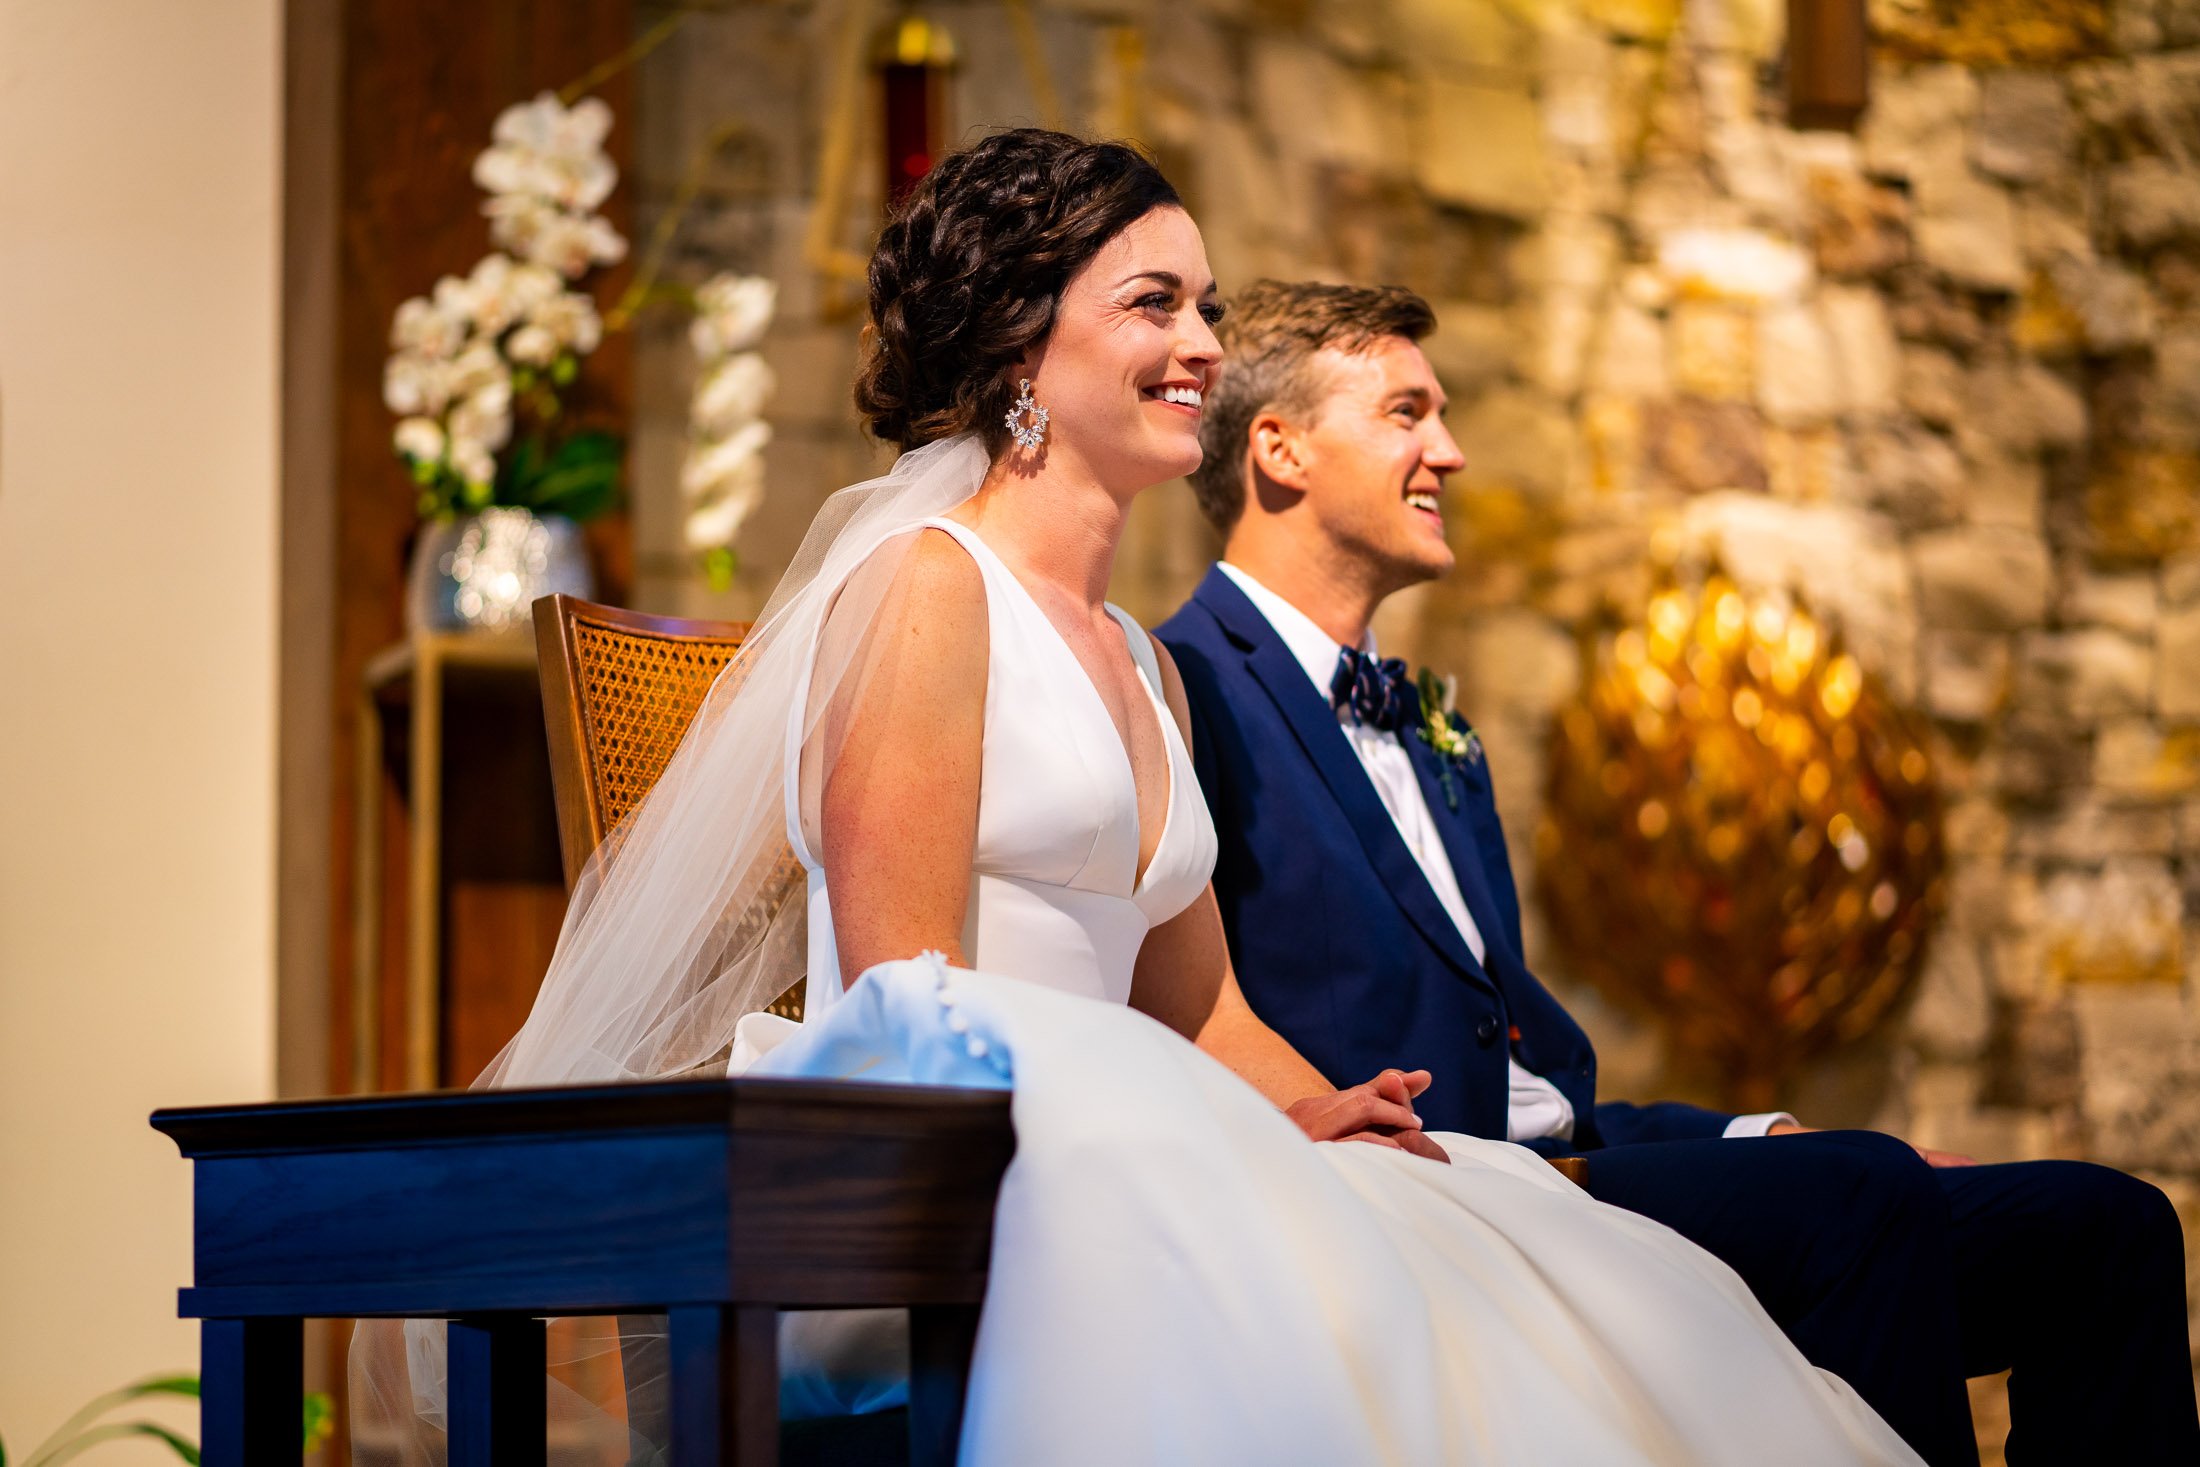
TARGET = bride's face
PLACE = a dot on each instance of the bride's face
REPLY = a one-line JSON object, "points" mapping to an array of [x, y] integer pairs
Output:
{"points": [[1132, 353]]}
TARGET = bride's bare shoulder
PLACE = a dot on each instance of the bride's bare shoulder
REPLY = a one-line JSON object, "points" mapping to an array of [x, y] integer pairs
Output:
{"points": [[944, 568], [922, 600], [939, 592]]}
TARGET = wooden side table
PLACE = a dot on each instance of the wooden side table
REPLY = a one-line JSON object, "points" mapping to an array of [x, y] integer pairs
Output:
{"points": [[454, 721]]}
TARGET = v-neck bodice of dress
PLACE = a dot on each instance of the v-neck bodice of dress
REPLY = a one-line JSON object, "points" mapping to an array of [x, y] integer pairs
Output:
{"points": [[1055, 893]]}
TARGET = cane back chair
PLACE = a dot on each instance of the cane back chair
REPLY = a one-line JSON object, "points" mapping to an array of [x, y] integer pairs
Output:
{"points": [[619, 689]]}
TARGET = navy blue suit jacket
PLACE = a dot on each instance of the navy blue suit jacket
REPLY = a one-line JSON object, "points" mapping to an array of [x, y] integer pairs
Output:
{"points": [[1339, 940]]}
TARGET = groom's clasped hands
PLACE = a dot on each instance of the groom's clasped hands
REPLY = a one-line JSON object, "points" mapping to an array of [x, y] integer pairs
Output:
{"points": [[1378, 1110]]}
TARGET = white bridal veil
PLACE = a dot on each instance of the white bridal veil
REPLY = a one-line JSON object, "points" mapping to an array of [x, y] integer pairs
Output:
{"points": [[693, 912]]}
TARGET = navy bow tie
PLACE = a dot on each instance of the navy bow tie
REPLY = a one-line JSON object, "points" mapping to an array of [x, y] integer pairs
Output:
{"points": [[1376, 690]]}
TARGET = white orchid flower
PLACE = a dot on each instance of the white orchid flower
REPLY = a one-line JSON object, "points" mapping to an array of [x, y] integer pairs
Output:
{"points": [[532, 346], [583, 127], [475, 368], [730, 394], [716, 521], [421, 326], [606, 246], [712, 465], [413, 384], [454, 298], [571, 317], [731, 314], [542, 148], [485, 418], [472, 462], [517, 220], [507, 172], [571, 243], [494, 293], [419, 439], [402, 390], [533, 283]]}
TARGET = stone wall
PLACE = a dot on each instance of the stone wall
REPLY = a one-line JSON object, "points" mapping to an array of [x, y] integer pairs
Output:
{"points": [[1941, 378]]}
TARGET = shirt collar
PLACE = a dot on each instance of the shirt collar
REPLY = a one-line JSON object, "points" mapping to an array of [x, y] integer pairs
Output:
{"points": [[1315, 650]]}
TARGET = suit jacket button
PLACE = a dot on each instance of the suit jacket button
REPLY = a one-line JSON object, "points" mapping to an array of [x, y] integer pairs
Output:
{"points": [[1485, 1033]]}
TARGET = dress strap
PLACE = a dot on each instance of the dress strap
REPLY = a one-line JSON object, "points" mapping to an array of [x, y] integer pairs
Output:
{"points": [[1141, 647], [970, 541], [989, 565]]}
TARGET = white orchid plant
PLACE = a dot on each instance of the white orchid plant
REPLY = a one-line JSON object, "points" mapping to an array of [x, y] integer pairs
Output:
{"points": [[479, 369], [722, 481]]}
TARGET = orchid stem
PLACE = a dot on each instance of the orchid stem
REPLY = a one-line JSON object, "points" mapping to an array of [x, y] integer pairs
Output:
{"points": [[668, 225], [603, 71]]}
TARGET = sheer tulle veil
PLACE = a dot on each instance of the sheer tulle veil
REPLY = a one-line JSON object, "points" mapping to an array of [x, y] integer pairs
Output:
{"points": [[694, 913]]}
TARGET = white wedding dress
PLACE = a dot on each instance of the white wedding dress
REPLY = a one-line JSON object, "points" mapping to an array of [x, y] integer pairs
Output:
{"points": [[1179, 1275]]}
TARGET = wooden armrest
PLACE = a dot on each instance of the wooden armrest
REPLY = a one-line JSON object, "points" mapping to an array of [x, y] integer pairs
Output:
{"points": [[1574, 1169]]}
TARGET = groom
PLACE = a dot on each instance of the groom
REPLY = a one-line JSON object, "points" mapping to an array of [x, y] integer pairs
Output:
{"points": [[1374, 922]]}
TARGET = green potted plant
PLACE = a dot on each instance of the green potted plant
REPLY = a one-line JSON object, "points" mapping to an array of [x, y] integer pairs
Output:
{"points": [[85, 1430]]}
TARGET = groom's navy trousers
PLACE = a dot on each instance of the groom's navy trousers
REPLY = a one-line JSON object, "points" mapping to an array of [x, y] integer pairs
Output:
{"points": [[1900, 1277]]}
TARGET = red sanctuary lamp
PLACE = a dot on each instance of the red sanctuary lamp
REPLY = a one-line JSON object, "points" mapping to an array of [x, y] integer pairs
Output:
{"points": [[914, 58], [1829, 64]]}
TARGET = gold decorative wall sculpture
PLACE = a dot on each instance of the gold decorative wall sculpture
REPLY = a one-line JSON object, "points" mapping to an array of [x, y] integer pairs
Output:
{"points": [[1742, 834]]}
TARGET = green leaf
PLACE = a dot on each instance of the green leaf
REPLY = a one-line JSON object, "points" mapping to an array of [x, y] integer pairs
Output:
{"points": [[580, 493], [719, 565], [181, 1445], [320, 1413], [592, 447], [521, 467], [65, 1435], [581, 479]]}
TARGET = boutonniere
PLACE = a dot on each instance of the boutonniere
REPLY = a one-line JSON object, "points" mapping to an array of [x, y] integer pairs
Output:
{"points": [[1443, 730]]}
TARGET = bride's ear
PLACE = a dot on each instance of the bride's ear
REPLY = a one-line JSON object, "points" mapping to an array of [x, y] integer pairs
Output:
{"points": [[1277, 452]]}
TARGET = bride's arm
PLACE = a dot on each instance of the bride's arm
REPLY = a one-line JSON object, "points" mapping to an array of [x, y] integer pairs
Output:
{"points": [[1184, 978], [899, 813]]}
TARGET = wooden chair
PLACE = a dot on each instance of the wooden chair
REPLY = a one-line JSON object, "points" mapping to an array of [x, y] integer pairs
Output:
{"points": [[619, 689]]}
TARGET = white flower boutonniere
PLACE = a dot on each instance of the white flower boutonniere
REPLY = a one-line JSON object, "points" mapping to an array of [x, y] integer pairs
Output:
{"points": [[1451, 736]]}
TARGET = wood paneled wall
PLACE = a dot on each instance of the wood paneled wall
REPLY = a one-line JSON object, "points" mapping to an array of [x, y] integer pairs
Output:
{"points": [[418, 84]]}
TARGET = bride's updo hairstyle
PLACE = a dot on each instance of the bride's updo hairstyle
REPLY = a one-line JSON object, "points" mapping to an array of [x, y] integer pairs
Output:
{"points": [[968, 271]]}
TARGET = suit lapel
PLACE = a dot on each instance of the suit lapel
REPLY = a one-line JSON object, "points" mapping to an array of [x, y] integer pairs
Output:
{"points": [[1313, 724], [1457, 829]]}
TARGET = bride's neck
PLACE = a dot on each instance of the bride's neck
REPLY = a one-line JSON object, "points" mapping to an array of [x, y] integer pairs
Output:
{"points": [[1056, 525]]}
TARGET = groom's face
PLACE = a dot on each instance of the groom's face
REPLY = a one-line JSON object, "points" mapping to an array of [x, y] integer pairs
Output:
{"points": [[1375, 454]]}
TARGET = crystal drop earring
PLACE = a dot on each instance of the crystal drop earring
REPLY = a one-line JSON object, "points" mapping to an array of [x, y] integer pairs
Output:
{"points": [[1027, 435]]}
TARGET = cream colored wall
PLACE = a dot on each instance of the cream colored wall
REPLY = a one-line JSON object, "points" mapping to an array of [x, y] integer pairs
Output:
{"points": [[139, 163]]}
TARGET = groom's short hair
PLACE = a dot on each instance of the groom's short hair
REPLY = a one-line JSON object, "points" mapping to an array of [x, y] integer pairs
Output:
{"points": [[1269, 339]]}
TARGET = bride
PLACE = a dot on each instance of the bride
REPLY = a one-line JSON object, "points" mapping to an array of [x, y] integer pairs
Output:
{"points": [[980, 770]]}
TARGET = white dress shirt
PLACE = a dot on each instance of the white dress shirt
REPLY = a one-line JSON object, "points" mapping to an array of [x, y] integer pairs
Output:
{"points": [[1536, 1108]]}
